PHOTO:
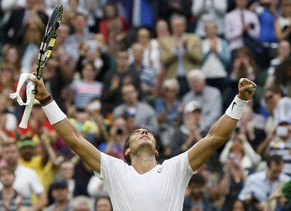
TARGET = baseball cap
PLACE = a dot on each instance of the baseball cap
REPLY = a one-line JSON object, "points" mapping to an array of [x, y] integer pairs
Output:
{"points": [[25, 143], [59, 184], [192, 106], [284, 120]]}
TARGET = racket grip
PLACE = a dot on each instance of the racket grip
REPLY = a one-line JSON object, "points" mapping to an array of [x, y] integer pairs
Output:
{"points": [[26, 114]]}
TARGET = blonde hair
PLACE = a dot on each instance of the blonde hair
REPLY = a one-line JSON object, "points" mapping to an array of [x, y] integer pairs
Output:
{"points": [[170, 83]]}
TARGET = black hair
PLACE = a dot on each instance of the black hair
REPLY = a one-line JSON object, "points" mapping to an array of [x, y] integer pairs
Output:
{"points": [[103, 197], [197, 179], [126, 146], [277, 159]]}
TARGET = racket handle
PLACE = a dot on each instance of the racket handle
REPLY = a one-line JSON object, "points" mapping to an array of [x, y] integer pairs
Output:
{"points": [[26, 113]]}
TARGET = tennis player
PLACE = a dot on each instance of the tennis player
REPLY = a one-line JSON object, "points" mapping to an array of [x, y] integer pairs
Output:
{"points": [[142, 184]]}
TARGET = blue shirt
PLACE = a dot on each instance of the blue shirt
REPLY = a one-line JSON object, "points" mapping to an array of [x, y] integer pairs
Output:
{"points": [[267, 21], [259, 185]]}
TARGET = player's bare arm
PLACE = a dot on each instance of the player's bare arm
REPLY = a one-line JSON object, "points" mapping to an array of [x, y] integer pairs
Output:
{"points": [[69, 133], [221, 130]]}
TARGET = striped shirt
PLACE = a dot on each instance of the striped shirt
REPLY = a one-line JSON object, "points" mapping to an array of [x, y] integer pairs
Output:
{"points": [[283, 148], [84, 92], [14, 204]]}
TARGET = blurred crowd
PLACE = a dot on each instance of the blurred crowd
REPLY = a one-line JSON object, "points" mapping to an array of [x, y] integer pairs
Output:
{"points": [[171, 66]]}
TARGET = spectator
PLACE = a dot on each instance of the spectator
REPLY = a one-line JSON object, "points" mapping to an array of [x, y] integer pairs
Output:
{"points": [[56, 79], [12, 58], [238, 205], [26, 180], [244, 65], [166, 8], [119, 132], [8, 78], [167, 109], [282, 77], [81, 34], [206, 96], [238, 23], [138, 114], [113, 27], [99, 123], [59, 190], [234, 175], [278, 141], [114, 79], [260, 185], [146, 73], [94, 50], [190, 131], [151, 55], [196, 200], [65, 172], [84, 90], [31, 40], [276, 105], [238, 147], [209, 10], [82, 203], [283, 24], [39, 155], [141, 14], [63, 56], [252, 126], [14, 24], [103, 203], [161, 30], [282, 54], [180, 53], [267, 11], [8, 120], [71, 10], [10, 199], [216, 57]]}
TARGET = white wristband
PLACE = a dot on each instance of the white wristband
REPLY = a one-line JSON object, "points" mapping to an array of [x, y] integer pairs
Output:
{"points": [[53, 113], [236, 108]]}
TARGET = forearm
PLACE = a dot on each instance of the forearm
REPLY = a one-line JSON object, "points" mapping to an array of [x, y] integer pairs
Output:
{"points": [[221, 130], [224, 185], [262, 148]]}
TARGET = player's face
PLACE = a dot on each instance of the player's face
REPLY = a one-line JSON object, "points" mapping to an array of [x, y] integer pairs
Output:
{"points": [[142, 137]]}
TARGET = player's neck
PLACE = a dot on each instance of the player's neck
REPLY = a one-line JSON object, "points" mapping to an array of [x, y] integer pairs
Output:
{"points": [[143, 162]]}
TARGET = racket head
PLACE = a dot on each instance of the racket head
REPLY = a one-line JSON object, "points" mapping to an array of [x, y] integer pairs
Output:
{"points": [[49, 38]]}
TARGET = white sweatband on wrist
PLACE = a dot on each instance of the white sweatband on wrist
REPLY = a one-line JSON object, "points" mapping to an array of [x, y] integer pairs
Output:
{"points": [[53, 113], [236, 108]]}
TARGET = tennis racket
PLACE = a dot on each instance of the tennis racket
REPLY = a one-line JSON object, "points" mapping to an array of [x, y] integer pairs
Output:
{"points": [[45, 51]]}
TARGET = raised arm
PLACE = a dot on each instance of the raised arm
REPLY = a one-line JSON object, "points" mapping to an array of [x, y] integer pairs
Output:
{"points": [[65, 129], [222, 129]]}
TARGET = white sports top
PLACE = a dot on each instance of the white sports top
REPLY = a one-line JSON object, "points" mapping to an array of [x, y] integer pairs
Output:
{"points": [[161, 189]]}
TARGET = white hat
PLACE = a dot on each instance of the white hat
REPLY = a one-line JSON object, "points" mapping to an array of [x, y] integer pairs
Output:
{"points": [[192, 106], [284, 120]]}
